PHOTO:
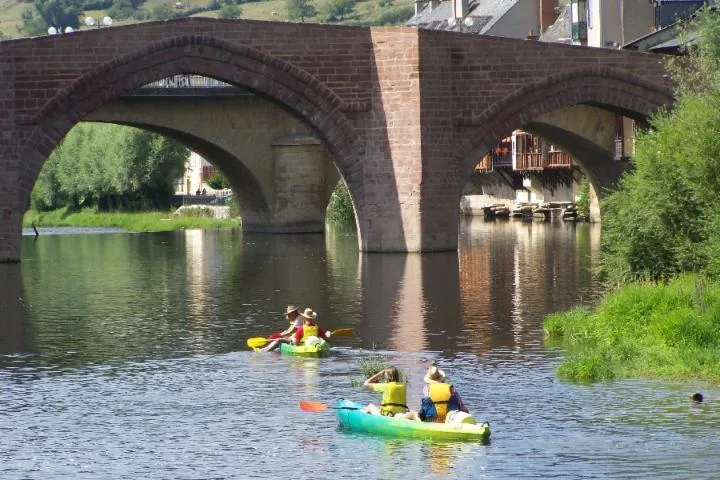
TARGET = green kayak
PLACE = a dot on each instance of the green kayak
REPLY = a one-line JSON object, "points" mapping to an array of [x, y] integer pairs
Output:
{"points": [[320, 349], [352, 418]]}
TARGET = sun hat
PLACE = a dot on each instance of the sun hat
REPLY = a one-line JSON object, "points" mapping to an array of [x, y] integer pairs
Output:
{"points": [[309, 314], [290, 309], [434, 375]]}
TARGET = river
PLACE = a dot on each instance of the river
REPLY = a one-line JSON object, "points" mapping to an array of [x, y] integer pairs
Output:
{"points": [[123, 356]]}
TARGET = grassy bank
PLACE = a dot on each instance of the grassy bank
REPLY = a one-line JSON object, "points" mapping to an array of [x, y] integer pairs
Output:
{"points": [[135, 222], [644, 330]]}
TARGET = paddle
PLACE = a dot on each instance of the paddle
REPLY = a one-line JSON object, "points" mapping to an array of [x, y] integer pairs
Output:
{"points": [[257, 342], [309, 406]]}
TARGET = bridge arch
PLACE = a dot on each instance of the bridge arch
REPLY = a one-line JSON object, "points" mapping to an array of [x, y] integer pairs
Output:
{"points": [[279, 81], [608, 88]]}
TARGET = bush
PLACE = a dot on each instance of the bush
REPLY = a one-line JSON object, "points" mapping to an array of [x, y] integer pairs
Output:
{"points": [[217, 180], [340, 209], [230, 12], [644, 329]]}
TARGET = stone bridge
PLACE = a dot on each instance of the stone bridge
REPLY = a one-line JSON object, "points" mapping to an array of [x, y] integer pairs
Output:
{"points": [[404, 113]]}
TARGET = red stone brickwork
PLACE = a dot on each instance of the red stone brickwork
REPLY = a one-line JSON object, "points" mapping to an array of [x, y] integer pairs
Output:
{"points": [[405, 113]]}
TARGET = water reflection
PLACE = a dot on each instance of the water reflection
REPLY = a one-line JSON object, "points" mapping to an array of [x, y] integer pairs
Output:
{"points": [[12, 315], [492, 294], [192, 292]]}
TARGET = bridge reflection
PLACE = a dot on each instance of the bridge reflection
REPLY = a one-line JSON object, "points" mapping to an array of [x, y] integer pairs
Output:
{"points": [[492, 294]]}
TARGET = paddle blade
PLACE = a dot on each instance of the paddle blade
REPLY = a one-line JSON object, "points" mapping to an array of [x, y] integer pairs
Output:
{"points": [[308, 406], [342, 332], [256, 342]]}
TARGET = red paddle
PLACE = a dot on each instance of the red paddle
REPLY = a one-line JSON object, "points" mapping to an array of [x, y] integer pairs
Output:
{"points": [[309, 406]]}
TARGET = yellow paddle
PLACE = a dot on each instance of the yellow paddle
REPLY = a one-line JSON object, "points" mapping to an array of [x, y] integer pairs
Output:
{"points": [[257, 342]]}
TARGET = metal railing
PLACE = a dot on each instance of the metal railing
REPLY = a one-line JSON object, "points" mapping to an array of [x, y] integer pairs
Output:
{"points": [[184, 85], [188, 81]]}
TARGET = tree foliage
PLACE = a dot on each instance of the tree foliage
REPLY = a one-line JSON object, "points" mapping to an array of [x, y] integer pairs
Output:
{"points": [[109, 167], [664, 218], [217, 181], [336, 10], [300, 9], [340, 209], [51, 13], [230, 11]]}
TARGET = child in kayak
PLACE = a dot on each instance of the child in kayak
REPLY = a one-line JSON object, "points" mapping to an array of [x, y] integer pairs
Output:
{"points": [[441, 401], [394, 398], [293, 315], [309, 332]]}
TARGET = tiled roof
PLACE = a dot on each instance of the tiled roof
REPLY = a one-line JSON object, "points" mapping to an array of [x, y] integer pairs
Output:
{"points": [[560, 31], [484, 14]]}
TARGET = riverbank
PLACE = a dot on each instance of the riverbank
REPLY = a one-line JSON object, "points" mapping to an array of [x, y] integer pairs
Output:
{"points": [[134, 222], [643, 330]]}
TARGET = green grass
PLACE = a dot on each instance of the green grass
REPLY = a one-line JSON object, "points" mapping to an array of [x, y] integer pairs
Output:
{"points": [[644, 330], [370, 364], [134, 222], [366, 12]]}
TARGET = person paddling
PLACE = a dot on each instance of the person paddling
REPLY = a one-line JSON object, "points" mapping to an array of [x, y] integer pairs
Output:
{"points": [[441, 401], [293, 315], [309, 332]]}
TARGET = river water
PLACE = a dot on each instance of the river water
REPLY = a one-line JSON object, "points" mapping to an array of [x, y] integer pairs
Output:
{"points": [[123, 356]]}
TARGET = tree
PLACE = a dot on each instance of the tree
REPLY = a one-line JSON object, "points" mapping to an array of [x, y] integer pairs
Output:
{"points": [[32, 23], [337, 9], [60, 13], [217, 181], [110, 167], [300, 9], [230, 11], [664, 218]]}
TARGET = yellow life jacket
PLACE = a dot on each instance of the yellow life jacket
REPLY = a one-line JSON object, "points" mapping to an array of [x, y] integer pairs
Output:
{"points": [[309, 331], [440, 396], [394, 399]]}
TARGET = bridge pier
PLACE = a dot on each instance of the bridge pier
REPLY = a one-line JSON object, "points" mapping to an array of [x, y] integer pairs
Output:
{"points": [[304, 178], [10, 214]]}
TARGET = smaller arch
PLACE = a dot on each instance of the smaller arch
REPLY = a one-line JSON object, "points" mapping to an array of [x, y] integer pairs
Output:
{"points": [[605, 87]]}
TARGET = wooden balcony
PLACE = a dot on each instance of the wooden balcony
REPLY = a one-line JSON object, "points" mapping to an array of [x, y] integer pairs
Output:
{"points": [[529, 161], [559, 159], [484, 165]]}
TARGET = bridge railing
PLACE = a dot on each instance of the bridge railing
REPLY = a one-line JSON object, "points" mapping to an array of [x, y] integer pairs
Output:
{"points": [[185, 85], [188, 81]]}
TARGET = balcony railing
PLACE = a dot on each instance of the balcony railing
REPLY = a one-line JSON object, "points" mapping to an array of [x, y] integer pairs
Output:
{"points": [[529, 161], [500, 160], [559, 159]]}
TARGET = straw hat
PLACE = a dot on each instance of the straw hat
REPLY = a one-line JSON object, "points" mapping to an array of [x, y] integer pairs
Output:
{"points": [[290, 309], [309, 314], [434, 375]]}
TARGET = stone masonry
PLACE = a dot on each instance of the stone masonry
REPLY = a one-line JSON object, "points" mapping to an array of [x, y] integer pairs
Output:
{"points": [[404, 113]]}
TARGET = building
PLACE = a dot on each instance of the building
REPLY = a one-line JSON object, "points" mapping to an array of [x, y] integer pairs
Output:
{"points": [[613, 23], [503, 18], [197, 173]]}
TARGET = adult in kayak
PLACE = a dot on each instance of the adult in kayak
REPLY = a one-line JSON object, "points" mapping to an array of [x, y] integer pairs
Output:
{"points": [[441, 401], [292, 313], [394, 395], [309, 331]]}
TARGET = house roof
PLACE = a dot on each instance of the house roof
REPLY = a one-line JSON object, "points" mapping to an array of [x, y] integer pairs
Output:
{"points": [[561, 30], [484, 14]]}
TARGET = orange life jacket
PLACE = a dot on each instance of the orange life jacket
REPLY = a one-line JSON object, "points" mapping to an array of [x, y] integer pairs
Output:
{"points": [[440, 396]]}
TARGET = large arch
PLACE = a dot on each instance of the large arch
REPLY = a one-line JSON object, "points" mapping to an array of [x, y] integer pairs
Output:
{"points": [[251, 199], [279, 81], [604, 87]]}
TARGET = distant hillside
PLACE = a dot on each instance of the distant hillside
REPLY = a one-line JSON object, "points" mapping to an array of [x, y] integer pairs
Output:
{"points": [[364, 12]]}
